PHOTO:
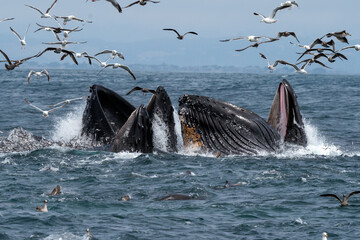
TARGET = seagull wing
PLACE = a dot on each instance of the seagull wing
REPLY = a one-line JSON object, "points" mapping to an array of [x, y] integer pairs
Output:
{"points": [[69, 100], [128, 70], [16, 34], [115, 4], [277, 9], [346, 48], [305, 52], [26, 31], [35, 9], [6, 57], [254, 45], [33, 105], [29, 75], [322, 64], [91, 57], [170, 29], [331, 195], [131, 4], [294, 35], [47, 11], [259, 14], [71, 55], [6, 19], [190, 33], [153, 1], [290, 64], [57, 107], [315, 42], [105, 51], [356, 192], [46, 73]]}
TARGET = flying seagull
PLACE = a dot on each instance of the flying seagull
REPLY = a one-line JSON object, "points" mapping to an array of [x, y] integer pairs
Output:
{"points": [[6, 19], [14, 63], [145, 90], [271, 67], [67, 101], [356, 47], [271, 19], [38, 74], [141, 2], [77, 55], [45, 113], [344, 200], [69, 18], [287, 34], [341, 36], [102, 64], [250, 38], [257, 44], [59, 50], [118, 65], [22, 41], [319, 50], [57, 29], [289, 3], [113, 2], [114, 54], [43, 208], [317, 41], [178, 35], [330, 58], [297, 69], [46, 14]]}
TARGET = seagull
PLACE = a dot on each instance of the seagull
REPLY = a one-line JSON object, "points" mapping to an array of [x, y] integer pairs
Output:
{"points": [[287, 34], [43, 208], [324, 236], [257, 44], [270, 67], [59, 50], [47, 14], [250, 38], [102, 64], [356, 47], [14, 63], [114, 54], [113, 2], [319, 50], [69, 18], [328, 56], [22, 41], [38, 74], [67, 101], [88, 234], [77, 55], [344, 201], [145, 90], [271, 19], [57, 29], [45, 113], [118, 65], [63, 43], [55, 191], [125, 198], [341, 36], [297, 69], [180, 37], [317, 41], [313, 60], [289, 4], [141, 2], [6, 19]]}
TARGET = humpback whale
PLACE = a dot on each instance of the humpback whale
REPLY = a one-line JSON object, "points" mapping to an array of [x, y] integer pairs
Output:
{"points": [[209, 124]]}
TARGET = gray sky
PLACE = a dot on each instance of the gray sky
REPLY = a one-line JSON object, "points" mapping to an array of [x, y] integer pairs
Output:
{"points": [[138, 34]]}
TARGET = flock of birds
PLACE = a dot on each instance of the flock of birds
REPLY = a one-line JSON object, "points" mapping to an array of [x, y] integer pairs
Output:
{"points": [[326, 51]]}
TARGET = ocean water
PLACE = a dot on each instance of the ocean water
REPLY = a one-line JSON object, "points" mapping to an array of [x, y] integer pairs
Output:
{"points": [[278, 196]]}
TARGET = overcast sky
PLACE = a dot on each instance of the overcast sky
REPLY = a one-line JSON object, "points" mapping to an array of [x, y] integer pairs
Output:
{"points": [[138, 34]]}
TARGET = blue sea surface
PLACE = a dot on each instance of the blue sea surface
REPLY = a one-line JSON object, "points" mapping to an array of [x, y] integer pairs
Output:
{"points": [[278, 196]]}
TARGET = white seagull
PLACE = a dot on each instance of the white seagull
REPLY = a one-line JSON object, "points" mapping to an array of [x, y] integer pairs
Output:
{"points": [[67, 101], [297, 69], [22, 41], [270, 67], [38, 74], [43, 208], [69, 18], [63, 43], [289, 4], [250, 38], [114, 54], [118, 65], [356, 47], [46, 14], [45, 113], [270, 19], [102, 64], [324, 236], [6, 19]]}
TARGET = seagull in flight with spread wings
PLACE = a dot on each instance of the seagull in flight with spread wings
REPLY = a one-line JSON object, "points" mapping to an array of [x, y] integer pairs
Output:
{"points": [[179, 36], [271, 19], [38, 74], [46, 14], [22, 41], [45, 113]]}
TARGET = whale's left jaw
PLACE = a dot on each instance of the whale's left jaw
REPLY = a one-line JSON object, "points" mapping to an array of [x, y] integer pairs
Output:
{"points": [[285, 116]]}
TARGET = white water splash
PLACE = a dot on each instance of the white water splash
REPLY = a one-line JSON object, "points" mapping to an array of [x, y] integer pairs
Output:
{"points": [[302, 222], [66, 236], [160, 133]]}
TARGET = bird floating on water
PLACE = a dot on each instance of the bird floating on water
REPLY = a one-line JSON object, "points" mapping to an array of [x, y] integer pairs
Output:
{"points": [[141, 3], [45, 113], [344, 200], [38, 74], [22, 41], [43, 208], [271, 19], [179, 36], [56, 191], [324, 236], [46, 14]]}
